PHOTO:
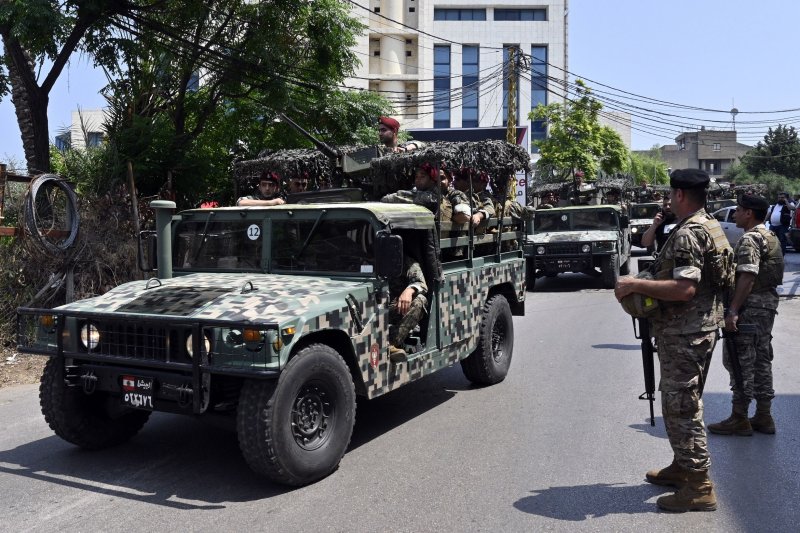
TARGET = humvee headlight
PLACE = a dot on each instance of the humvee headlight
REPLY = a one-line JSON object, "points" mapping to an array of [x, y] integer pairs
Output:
{"points": [[90, 336], [586, 248], [540, 250], [190, 345], [634, 230], [48, 323]]}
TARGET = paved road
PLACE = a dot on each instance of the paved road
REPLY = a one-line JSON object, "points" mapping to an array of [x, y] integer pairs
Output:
{"points": [[561, 445]]}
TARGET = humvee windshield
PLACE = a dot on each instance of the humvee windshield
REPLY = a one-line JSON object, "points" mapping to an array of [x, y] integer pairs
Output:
{"points": [[207, 243], [589, 220], [644, 211]]}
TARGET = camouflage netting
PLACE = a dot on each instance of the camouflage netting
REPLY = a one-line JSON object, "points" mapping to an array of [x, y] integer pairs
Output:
{"points": [[286, 163], [497, 158], [103, 256]]}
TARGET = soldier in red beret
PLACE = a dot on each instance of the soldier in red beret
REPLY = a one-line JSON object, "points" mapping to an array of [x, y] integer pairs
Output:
{"points": [[387, 132]]}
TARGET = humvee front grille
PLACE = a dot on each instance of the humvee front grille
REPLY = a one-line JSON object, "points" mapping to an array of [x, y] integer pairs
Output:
{"points": [[151, 343], [563, 248]]}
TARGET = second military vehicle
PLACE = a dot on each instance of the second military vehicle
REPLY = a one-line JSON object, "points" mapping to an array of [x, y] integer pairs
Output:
{"points": [[641, 217]]}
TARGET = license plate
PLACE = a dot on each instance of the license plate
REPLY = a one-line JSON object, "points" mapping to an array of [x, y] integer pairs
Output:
{"points": [[137, 391]]}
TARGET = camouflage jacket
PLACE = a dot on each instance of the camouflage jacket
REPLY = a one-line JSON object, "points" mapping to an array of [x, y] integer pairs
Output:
{"points": [[758, 252], [686, 256], [413, 277], [427, 199]]}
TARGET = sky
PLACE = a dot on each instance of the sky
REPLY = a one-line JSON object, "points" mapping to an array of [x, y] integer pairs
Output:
{"points": [[709, 54]]}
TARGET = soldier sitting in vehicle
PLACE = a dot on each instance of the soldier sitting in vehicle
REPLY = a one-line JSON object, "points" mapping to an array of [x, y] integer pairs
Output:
{"points": [[408, 293], [482, 202], [268, 192], [456, 213], [424, 192]]}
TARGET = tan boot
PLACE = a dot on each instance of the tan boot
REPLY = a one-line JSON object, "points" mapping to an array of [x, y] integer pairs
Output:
{"points": [[762, 421], [736, 424], [696, 495], [671, 476], [397, 355]]}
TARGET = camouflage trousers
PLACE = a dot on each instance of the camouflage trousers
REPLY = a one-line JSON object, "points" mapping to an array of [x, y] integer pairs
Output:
{"points": [[684, 361], [406, 323], [754, 352]]}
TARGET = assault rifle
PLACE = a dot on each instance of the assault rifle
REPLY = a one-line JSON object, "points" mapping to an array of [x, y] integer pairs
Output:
{"points": [[648, 351]]}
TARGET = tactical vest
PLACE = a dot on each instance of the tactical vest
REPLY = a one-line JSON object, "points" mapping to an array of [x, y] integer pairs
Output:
{"points": [[770, 271], [718, 263]]}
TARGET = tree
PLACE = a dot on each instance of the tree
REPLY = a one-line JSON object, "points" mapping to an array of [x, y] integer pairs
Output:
{"points": [[648, 169], [576, 140], [40, 36], [778, 153]]}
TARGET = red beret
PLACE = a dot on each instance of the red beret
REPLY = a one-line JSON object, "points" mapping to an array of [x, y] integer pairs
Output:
{"points": [[390, 123], [430, 170], [269, 176]]}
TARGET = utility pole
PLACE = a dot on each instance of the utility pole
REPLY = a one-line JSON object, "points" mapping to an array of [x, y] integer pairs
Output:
{"points": [[511, 128]]}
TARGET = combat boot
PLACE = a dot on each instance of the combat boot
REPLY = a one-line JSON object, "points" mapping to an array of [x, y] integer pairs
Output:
{"points": [[671, 476], [697, 494], [762, 421], [736, 424], [397, 355]]}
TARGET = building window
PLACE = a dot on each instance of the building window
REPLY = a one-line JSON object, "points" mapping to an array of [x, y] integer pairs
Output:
{"points": [[470, 85], [458, 14], [63, 142], [520, 14], [94, 138], [377, 10], [376, 53], [506, 80], [412, 9], [538, 92], [441, 86], [717, 147], [408, 53]]}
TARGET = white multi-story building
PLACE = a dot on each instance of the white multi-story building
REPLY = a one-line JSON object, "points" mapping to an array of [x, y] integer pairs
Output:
{"points": [[443, 63], [85, 130]]}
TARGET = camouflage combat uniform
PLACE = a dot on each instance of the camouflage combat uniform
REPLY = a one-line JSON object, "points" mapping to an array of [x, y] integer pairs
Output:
{"points": [[451, 200], [413, 277], [686, 333], [757, 252], [428, 199]]}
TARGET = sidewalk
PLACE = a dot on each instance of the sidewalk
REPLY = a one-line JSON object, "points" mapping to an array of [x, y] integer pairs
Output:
{"points": [[791, 275]]}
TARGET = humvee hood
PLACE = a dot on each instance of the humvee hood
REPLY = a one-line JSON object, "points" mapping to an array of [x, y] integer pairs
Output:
{"points": [[225, 297], [573, 236]]}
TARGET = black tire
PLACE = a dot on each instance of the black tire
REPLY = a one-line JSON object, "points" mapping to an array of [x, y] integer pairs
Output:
{"points": [[610, 271], [530, 275], [625, 268], [490, 361], [281, 434], [91, 421]]}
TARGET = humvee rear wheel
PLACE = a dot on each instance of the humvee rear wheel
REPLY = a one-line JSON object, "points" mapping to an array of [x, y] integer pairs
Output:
{"points": [[610, 271], [490, 361], [295, 430], [91, 421]]}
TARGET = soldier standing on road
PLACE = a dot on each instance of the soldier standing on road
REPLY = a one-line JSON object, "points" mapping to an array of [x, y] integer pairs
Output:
{"points": [[409, 300], [691, 274], [754, 301], [663, 223], [268, 192]]}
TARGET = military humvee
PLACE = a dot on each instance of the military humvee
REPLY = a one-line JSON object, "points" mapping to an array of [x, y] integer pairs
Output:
{"points": [[592, 239], [276, 317], [641, 218]]}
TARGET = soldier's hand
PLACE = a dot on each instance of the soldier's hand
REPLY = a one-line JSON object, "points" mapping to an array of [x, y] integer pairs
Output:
{"points": [[625, 286], [659, 219], [477, 218], [404, 300], [279, 201], [730, 322]]}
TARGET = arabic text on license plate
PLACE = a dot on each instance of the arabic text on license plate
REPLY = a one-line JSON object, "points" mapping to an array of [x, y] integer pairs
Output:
{"points": [[137, 392]]}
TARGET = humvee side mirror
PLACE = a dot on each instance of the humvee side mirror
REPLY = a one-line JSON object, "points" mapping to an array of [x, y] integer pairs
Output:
{"points": [[388, 255], [624, 221], [148, 251]]}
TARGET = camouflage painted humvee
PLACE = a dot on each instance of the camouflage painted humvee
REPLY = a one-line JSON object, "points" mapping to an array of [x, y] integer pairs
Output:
{"points": [[277, 317], [592, 239], [641, 218]]}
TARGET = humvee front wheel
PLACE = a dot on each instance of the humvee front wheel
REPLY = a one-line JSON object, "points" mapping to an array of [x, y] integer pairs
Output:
{"points": [[610, 271], [490, 361], [91, 421], [295, 430]]}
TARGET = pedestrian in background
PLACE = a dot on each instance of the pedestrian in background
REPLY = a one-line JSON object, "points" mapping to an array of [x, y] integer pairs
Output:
{"points": [[754, 302], [690, 276], [779, 217]]}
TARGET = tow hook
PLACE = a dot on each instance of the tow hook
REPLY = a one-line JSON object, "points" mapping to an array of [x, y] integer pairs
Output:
{"points": [[89, 382]]}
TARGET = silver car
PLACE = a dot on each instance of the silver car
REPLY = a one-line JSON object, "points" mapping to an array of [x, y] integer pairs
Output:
{"points": [[726, 219]]}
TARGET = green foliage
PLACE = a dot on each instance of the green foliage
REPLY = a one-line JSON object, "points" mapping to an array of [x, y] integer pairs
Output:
{"points": [[576, 140], [775, 183], [778, 153], [94, 170], [648, 169]]}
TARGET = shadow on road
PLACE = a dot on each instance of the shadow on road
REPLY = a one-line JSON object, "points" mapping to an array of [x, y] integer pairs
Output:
{"points": [[188, 463], [629, 347], [581, 502]]}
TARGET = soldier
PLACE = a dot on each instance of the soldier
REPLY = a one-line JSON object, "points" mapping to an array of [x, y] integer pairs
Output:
{"points": [[455, 213], [387, 133], [663, 224], [424, 192], [754, 301], [690, 276], [548, 200], [409, 301], [298, 183], [482, 202], [268, 192]]}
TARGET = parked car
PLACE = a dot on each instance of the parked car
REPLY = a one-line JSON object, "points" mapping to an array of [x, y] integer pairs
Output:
{"points": [[726, 220]]}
